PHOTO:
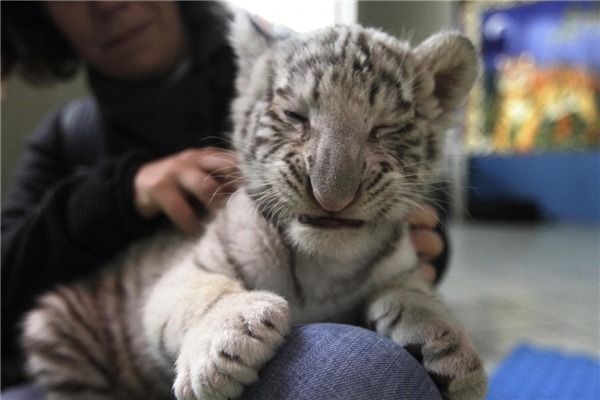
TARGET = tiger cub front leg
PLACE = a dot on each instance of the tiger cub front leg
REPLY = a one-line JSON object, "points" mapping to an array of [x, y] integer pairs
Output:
{"points": [[411, 316], [218, 334], [240, 334]]}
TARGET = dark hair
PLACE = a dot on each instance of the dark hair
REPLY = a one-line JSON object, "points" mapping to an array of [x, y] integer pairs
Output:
{"points": [[33, 46]]}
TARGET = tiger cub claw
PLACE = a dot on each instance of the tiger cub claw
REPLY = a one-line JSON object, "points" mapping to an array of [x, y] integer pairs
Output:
{"points": [[439, 344], [216, 363], [449, 357]]}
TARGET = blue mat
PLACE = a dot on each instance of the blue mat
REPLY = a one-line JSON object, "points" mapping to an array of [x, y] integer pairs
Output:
{"points": [[530, 373]]}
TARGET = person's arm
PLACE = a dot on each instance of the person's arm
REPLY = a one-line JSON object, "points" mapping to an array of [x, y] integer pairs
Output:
{"points": [[59, 224]]}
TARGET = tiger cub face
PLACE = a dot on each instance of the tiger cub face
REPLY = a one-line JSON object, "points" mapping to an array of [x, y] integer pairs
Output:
{"points": [[339, 130]]}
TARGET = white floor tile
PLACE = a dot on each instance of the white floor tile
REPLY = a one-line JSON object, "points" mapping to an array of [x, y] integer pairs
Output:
{"points": [[509, 284]]}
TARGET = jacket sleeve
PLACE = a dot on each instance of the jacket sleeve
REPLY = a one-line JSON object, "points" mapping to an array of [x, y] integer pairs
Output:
{"points": [[60, 224]]}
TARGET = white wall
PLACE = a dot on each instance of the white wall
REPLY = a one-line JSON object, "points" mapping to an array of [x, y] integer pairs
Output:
{"points": [[407, 19], [302, 15]]}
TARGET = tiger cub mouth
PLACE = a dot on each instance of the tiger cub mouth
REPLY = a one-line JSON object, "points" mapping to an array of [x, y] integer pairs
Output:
{"points": [[329, 222]]}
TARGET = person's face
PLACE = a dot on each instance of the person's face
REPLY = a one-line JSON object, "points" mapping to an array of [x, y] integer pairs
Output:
{"points": [[122, 39]]}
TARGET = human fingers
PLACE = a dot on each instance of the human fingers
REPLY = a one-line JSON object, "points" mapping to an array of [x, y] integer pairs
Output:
{"points": [[173, 203], [220, 164], [209, 191], [428, 273], [424, 216], [428, 243], [163, 186]]}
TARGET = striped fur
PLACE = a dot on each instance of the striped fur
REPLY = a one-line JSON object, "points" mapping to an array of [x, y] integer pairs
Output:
{"points": [[345, 111]]}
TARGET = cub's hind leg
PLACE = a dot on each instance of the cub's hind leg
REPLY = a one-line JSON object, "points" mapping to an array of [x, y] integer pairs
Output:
{"points": [[78, 346], [64, 347]]}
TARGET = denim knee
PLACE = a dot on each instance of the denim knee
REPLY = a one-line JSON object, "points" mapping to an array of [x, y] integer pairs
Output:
{"points": [[23, 392], [333, 361]]}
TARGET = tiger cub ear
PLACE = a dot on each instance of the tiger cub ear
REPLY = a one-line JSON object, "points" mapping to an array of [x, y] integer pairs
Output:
{"points": [[251, 37], [453, 66]]}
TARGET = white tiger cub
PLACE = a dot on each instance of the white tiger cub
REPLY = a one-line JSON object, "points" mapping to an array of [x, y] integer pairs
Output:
{"points": [[338, 132]]}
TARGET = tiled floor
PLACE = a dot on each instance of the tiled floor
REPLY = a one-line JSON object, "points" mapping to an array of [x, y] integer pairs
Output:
{"points": [[540, 284]]}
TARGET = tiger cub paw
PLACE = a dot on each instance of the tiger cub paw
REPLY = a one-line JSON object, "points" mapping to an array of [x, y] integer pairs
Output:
{"points": [[216, 363], [451, 360], [439, 344]]}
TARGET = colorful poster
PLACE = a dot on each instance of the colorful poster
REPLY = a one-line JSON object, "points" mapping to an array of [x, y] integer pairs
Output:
{"points": [[540, 89]]}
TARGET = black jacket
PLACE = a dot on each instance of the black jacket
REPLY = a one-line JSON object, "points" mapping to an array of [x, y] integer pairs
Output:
{"points": [[70, 208]]}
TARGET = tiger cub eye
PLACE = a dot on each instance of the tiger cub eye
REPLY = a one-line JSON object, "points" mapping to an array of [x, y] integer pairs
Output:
{"points": [[295, 116]]}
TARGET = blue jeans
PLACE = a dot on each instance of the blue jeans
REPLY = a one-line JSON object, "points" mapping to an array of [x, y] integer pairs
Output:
{"points": [[328, 361]]}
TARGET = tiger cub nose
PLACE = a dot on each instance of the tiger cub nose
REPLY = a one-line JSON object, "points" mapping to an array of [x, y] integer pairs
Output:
{"points": [[333, 207]]}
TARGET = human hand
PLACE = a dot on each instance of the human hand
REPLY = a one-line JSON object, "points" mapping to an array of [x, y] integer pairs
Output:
{"points": [[165, 185], [428, 243]]}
